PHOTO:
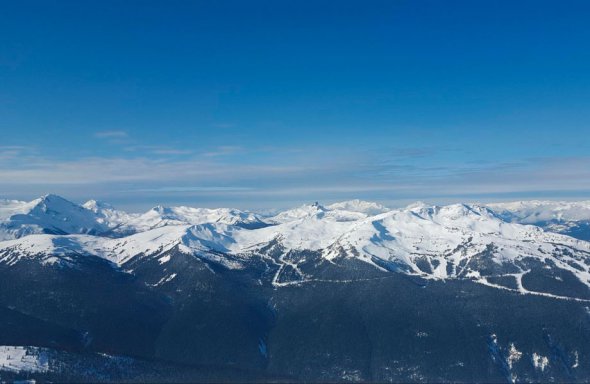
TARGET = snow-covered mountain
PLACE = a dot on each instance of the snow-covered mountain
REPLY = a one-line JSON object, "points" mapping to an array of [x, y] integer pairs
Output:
{"points": [[166, 216], [446, 293], [535, 211], [53, 214], [367, 208], [566, 217], [47, 214], [107, 215], [344, 211], [462, 241], [441, 242]]}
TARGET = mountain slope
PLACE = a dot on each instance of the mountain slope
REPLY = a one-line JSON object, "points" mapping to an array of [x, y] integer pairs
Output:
{"points": [[460, 241], [351, 210], [348, 292], [53, 214], [449, 242], [48, 214], [568, 218], [169, 216]]}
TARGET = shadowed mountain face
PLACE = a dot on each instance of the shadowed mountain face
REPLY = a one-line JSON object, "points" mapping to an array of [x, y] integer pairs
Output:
{"points": [[358, 293]]}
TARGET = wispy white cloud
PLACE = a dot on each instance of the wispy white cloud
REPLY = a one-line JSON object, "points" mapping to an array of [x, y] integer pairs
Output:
{"points": [[172, 189], [171, 151], [115, 134], [158, 150], [108, 170], [223, 125], [10, 152], [223, 151], [289, 175]]}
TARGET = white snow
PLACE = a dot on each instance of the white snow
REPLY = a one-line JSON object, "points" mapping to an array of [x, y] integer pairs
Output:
{"points": [[514, 355], [23, 359], [107, 215], [447, 238], [576, 360], [530, 212], [48, 213], [540, 362], [165, 279], [298, 213], [451, 234], [166, 216], [164, 259], [553, 216], [54, 214], [368, 208], [338, 212]]}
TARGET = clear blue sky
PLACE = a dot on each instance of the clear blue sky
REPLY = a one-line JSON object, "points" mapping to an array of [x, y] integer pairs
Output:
{"points": [[260, 104]]}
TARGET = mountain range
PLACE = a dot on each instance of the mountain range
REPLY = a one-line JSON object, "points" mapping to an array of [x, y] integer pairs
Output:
{"points": [[352, 291]]}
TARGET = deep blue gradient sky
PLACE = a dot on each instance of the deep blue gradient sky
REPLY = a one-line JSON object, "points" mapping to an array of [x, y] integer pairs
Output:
{"points": [[267, 104]]}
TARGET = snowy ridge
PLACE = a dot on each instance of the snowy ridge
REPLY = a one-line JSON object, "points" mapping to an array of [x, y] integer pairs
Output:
{"points": [[53, 214], [52, 249], [48, 214], [115, 250], [439, 242], [107, 215], [163, 216], [351, 210], [570, 218], [535, 211], [368, 208]]}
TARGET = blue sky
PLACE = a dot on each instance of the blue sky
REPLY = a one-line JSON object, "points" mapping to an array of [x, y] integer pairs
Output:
{"points": [[268, 104]]}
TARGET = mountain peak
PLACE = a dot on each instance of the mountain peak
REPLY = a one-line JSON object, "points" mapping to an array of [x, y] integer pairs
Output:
{"points": [[417, 205], [95, 206], [160, 209], [54, 203], [369, 208], [52, 198]]}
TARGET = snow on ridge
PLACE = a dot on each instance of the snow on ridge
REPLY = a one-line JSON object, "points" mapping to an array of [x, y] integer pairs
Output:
{"points": [[190, 239], [162, 216], [55, 215], [107, 215], [47, 214], [447, 237], [115, 250], [302, 212], [444, 238], [367, 207], [350, 210], [534, 211], [23, 359], [95, 206]]}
